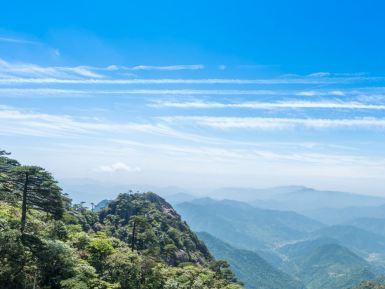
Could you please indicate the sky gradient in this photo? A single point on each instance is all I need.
(197, 95)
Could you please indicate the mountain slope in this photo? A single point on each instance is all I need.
(370, 285)
(374, 225)
(332, 266)
(137, 241)
(157, 226)
(356, 239)
(245, 226)
(249, 267)
(78, 251)
(324, 263)
(101, 205)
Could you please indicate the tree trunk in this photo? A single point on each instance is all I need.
(34, 280)
(24, 204)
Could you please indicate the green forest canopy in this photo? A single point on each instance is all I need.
(138, 241)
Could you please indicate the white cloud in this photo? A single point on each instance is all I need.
(54, 79)
(321, 92)
(337, 93)
(81, 70)
(167, 68)
(17, 40)
(33, 73)
(307, 93)
(15, 71)
(118, 167)
(89, 92)
(270, 105)
(320, 74)
(112, 67)
(279, 123)
(18, 122)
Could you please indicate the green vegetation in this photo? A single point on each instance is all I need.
(250, 267)
(321, 264)
(321, 257)
(369, 285)
(137, 242)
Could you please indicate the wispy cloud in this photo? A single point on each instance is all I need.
(320, 74)
(316, 93)
(231, 154)
(33, 73)
(22, 122)
(167, 67)
(18, 40)
(56, 92)
(115, 67)
(269, 105)
(18, 122)
(278, 123)
(271, 81)
(18, 71)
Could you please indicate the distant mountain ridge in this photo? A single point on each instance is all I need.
(322, 257)
(297, 198)
(374, 225)
(366, 244)
(101, 205)
(245, 226)
(347, 214)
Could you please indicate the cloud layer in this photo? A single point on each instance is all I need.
(184, 125)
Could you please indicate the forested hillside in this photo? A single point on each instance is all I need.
(369, 285)
(252, 269)
(324, 263)
(137, 241)
(320, 256)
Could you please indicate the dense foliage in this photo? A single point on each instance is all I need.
(250, 267)
(333, 266)
(138, 241)
(369, 285)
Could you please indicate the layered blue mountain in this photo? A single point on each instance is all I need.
(245, 226)
(298, 198)
(249, 267)
(320, 256)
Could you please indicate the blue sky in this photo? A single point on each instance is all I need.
(199, 94)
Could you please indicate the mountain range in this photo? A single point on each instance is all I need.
(245, 226)
(290, 237)
(297, 198)
(249, 267)
(320, 256)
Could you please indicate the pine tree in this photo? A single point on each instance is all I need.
(37, 189)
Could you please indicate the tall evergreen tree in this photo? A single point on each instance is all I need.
(37, 189)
